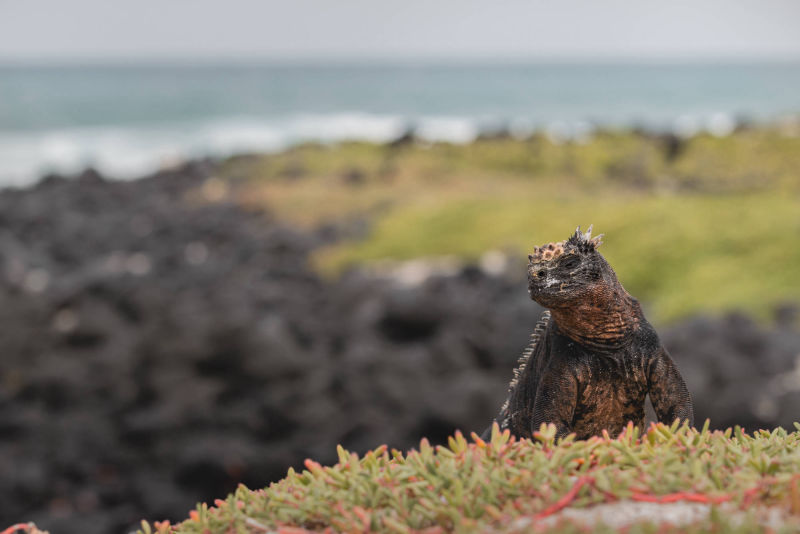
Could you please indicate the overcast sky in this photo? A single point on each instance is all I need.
(289, 29)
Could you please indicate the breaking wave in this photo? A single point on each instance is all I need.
(128, 152)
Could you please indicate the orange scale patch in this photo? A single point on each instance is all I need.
(548, 252)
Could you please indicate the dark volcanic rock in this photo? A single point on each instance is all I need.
(739, 373)
(162, 345)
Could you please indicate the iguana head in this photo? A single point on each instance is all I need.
(562, 273)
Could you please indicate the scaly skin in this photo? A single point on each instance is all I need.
(595, 358)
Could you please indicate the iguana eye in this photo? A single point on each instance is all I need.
(571, 263)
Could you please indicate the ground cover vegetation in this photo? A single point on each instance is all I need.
(689, 222)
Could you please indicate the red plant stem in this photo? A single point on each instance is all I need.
(680, 496)
(645, 497)
(19, 526)
(749, 495)
(566, 499)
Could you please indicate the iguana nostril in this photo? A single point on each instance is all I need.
(540, 274)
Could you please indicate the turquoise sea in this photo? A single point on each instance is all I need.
(129, 119)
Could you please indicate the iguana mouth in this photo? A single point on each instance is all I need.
(549, 285)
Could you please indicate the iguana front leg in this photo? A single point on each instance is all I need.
(668, 391)
(555, 402)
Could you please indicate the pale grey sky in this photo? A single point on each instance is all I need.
(247, 29)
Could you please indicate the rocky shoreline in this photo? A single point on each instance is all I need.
(162, 344)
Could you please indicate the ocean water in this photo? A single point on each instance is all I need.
(130, 119)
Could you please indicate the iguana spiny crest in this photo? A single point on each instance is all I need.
(577, 243)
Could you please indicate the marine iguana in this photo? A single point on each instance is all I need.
(593, 357)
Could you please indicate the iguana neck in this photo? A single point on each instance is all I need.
(604, 319)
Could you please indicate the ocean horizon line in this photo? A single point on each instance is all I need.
(334, 61)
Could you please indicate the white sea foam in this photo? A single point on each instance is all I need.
(451, 129)
(717, 123)
(341, 126)
(721, 124)
(130, 152)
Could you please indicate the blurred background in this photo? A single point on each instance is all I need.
(233, 235)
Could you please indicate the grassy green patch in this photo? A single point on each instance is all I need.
(709, 226)
(501, 484)
(678, 254)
